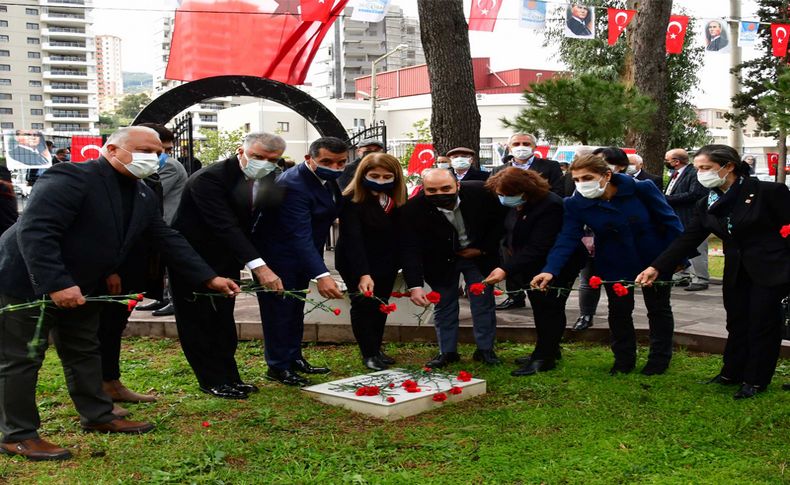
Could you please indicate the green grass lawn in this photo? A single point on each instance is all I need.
(573, 425)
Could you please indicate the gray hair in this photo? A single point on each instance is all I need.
(120, 136)
(530, 135)
(270, 142)
(635, 157)
(430, 172)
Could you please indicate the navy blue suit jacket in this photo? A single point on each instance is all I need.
(291, 238)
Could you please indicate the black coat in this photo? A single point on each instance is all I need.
(754, 243)
(475, 174)
(656, 179)
(568, 185)
(71, 233)
(8, 207)
(368, 242)
(429, 241)
(548, 169)
(685, 194)
(216, 214)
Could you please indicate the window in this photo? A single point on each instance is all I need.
(283, 126)
(4, 38)
(3, 23)
(36, 112)
(4, 53)
(3, 8)
(5, 67)
(36, 97)
(7, 125)
(34, 55)
(5, 95)
(67, 126)
(33, 68)
(31, 11)
(5, 82)
(31, 26)
(6, 111)
(37, 126)
(33, 40)
(34, 84)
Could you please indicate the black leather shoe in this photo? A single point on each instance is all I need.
(534, 367)
(583, 323)
(654, 368)
(696, 287)
(374, 363)
(386, 358)
(165, 311)
(681, 283)
(748, 390)
(286, 376)
(303, 366)
(511, 303)
(724, 381)
(149, 307)
(245, 388)
(442, 360)
(620, 369)
(225, 391)
(528, 358)
(487, 356)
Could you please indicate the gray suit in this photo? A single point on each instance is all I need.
(174, 177)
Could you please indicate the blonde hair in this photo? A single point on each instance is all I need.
(386, 161)
(591, 162)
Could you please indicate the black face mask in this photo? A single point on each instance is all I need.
(668, 165)
(443, 201)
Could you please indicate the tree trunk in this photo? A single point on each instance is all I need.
(651, 75)
(455, 119)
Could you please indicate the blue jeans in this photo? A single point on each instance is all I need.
(445, 313)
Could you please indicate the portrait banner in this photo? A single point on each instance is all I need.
(580, 21)
(715, 36)
(26, 149)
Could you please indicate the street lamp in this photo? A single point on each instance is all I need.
(373, 87)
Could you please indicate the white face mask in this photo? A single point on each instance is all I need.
(710, 179)
(257, 169)
(631, 170)
(461, 163)
(591, 189)
(442, 165)
(142, 165)
(521, 152)
(614, 168)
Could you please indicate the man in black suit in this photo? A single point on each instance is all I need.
(369, 145)
(714, 36)
(522, 155)
(579, 20)
(682, 192)
(637, 171)
(464, 164)
(8, 207)
(216, 217)
(78, 226)
(449, 229)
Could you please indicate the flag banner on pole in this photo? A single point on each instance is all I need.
(542, 151)
(483, 15)
(580, 21)
(315, 10)
(716, 36)
(676, 33)
(370, 10)
(747, 33)
(422, 157)
(532, 15)
(85, 148)
(779, 39)
(618, 21)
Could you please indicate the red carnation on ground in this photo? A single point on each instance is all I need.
(595, 282)
(456, 390)
(360, 391)
(336, 311)
(368, 391)
(434, 297)
(205, 424)
(368, 294)
(427, 369)
(464, 376)
(392, 385)
(130, 304)
(440, 397)
(408, 383)
(477, 289)
(139, 297)
(619, 289)
(785, 231)
(498, 292)
(390, 399)
(413, 389)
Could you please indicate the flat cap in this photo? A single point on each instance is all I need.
(461, 151)
(369, 142)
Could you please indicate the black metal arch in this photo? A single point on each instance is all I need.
(167, 106)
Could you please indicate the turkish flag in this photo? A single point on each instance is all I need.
(541, 151)
(262, 38)
(422, 157)
(773, 163)
(629, 151)
(84, 148)
(779, 39)
(618, 21)
(676, 33)
(315, 10)
(483, 15)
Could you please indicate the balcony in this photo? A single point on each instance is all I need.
(66, 3)
(67, 47)
(66, 88)
(57, 60)
(53, 103)
(71, 116)
(62, 18)
(64, 33)
(68, 75)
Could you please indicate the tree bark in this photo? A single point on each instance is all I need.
(455, 119)
(651, 75)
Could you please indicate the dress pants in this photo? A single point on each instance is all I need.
(660, 320)
(367, 321)
(754, 327)
(283, 322)
(74, 333)
(207, 331)
(445, 313)
(548, 308)
(112, 322)
(588, 296)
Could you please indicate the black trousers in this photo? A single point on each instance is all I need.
(112, 322)
(74, 333)
(754, 327)
(207, 331)
(367, 322)
(548, 308)
(660, 320)
(283, 322)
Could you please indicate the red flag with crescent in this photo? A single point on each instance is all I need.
(422, 157)
(773, 161)
(84, 148)
(315, 10)
(542, 151)
(483, 15)
(676, 33)
(618, 21)
(779, 39)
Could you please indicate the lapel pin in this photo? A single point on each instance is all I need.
(748, 201)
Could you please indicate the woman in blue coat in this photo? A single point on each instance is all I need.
(633, 224)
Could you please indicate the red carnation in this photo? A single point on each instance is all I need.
(595, 282)
(130, 304)
(427, 369)
(464, 376)
(456, 390)
(373, 391)
(368, 294)
(392, 307)
(440, 397)
(360, 391)
(498, 292)
(392, 385)
(398, 294)
(413, 389)
(408, 383)
(336, 311)
(619, 289)
(434, 297)
(785, 231)
(477, 288)
(390, 399)
(139, 297)
(205, 424)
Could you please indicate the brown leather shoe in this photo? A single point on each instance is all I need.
(119, 411)
(35, 449)
(120, 426)
(119, 393)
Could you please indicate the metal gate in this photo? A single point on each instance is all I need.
(378, 132)
(184, 143)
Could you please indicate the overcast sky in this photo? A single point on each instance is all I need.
(138, 23)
